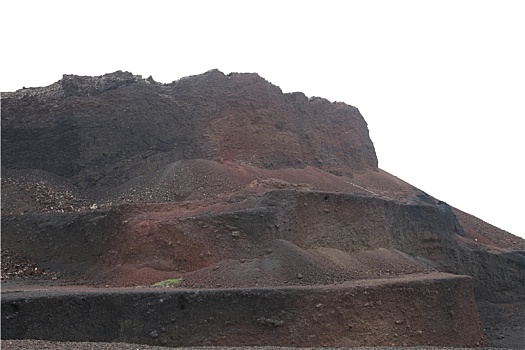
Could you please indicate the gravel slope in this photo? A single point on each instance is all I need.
(40, 344)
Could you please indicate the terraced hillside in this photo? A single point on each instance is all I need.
(268, 209)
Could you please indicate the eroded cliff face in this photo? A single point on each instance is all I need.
(229, 183)
(101, 132)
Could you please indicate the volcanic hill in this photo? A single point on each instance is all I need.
(268, 210)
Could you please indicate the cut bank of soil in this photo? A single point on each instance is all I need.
(350, 314)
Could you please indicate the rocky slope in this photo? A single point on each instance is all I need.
(226, 182)
(104, 132)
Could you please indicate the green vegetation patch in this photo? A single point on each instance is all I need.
(168, 283)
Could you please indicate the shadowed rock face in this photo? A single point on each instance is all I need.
(101, 132)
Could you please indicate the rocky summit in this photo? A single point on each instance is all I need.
(263, 216)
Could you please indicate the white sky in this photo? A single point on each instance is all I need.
(440, 83)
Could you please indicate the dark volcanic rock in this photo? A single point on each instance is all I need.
(224, 181)
(101, 132)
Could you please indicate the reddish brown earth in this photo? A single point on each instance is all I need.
(226, 183)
